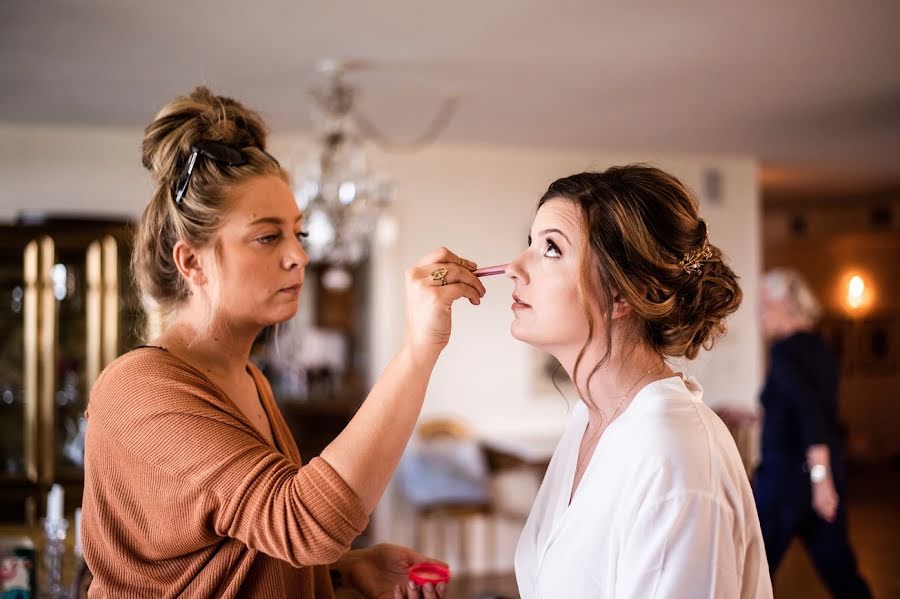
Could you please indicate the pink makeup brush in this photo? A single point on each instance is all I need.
(489, 271)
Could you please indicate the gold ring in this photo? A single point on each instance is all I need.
(440, 274)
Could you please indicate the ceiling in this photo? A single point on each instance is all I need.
(810, 87)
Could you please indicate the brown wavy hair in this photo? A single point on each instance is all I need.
(199, 116)
(639, 223)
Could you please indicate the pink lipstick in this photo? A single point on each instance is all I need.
(489, 271)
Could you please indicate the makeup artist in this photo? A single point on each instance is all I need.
(193, 484)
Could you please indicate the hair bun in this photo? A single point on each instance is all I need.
(706, 299)
(200, 115)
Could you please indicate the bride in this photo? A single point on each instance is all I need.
(646, 495)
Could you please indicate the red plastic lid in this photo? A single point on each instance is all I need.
(428, 572)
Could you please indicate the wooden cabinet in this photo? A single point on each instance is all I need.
(66, 310)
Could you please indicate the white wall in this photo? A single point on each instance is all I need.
(476, 200)
(95, 170)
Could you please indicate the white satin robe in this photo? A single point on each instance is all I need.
(664, 509)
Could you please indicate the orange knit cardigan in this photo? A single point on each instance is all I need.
(184, 498)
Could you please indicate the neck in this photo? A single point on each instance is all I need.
(221, 349)
(617, 381)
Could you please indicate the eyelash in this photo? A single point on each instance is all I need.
(550, 245)
(269, 239)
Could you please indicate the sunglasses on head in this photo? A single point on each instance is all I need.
(214, 151)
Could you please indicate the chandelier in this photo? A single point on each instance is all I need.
(341, 195)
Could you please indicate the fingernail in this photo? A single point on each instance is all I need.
(441, 587)
(472, 264)
(411, 585)
(429, 587)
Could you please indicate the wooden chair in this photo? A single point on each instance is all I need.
(454, 513)
(743, 424)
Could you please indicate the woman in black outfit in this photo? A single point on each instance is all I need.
(801, 479)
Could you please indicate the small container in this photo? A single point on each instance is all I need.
(425, 572)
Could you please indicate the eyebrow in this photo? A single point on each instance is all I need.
(546, 231)
(272, 220)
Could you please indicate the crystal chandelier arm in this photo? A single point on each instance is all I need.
(426, 138)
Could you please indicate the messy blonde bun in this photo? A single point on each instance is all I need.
(645, 240)
(200, 116)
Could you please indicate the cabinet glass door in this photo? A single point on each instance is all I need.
(13, 413)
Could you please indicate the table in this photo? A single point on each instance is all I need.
(532, 451)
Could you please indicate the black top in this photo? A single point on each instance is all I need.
(800, 398)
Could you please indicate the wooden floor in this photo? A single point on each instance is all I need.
(874, 515)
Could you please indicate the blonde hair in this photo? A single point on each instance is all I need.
(200, 116)
(786, 284)
(645, 241)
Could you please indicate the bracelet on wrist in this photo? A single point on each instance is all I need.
(818, 473)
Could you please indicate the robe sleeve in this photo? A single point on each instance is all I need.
(681, 546)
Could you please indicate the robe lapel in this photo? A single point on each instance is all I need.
(563, 475)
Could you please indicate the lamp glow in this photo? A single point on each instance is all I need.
(856, 290)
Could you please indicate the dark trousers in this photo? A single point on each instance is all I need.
(784, 501)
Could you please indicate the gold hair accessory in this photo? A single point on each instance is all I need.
(440, 274)
(692, 263)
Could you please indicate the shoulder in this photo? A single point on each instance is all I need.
(800, 344)
(671, 417)
(148, 365)
(145, 380)
(677, 441)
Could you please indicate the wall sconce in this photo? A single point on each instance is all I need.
(856, 291)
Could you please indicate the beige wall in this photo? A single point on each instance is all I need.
(55, 169)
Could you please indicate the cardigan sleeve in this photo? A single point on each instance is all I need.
(177, 423)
